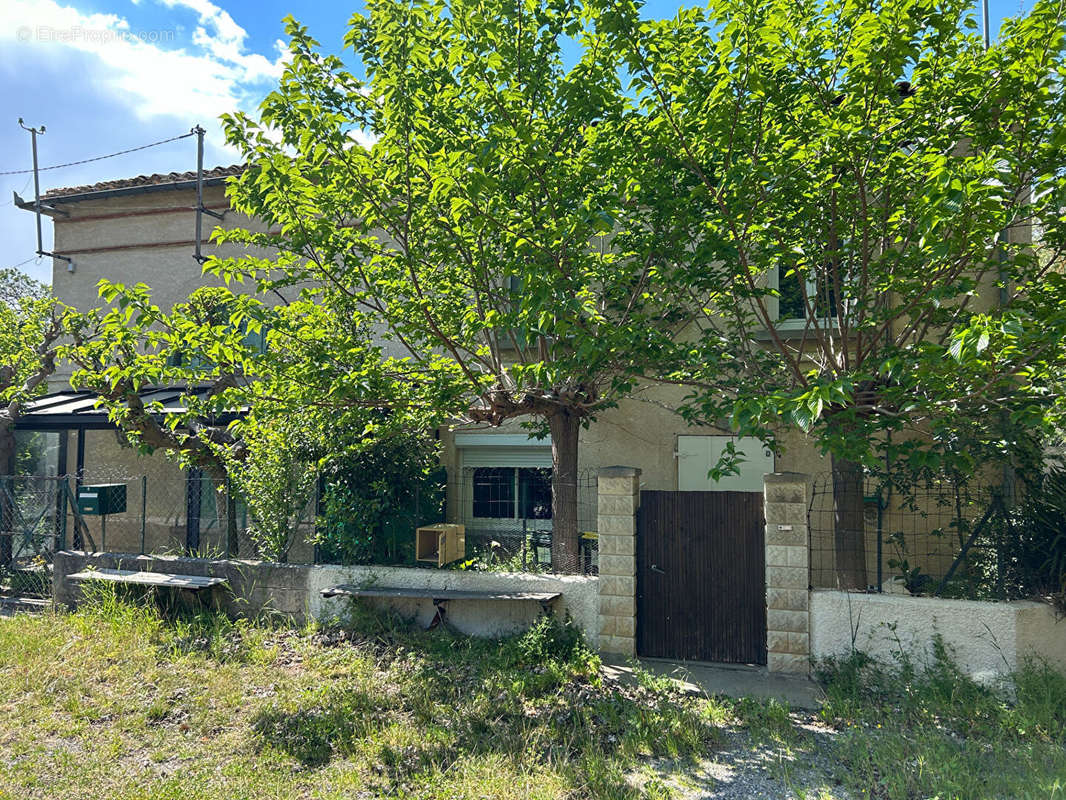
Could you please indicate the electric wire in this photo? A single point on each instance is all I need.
(22, 263)
(100, 158)
(25, 186)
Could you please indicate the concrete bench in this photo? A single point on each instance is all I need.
(159, 580)
(441, 596)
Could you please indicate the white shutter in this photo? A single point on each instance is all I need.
(503, 450)
(697, 455)
(506, 457)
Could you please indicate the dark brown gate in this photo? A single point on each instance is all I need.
(701, 576)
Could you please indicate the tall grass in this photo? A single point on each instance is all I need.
(124, 699)
(931, 730)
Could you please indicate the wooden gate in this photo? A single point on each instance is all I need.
(701, 576)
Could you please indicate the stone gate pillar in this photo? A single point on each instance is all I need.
(618, 493)
(787, 573)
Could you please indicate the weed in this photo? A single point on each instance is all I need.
(766, 720)
(179, 702)
(907, 732)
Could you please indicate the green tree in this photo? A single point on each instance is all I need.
(477, 224)
(859, 184)
(248, 370)
(30, 326)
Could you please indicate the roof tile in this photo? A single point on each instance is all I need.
(157, 179)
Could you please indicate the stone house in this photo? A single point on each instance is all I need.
(141, 230)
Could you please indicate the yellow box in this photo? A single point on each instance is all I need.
(441, 544)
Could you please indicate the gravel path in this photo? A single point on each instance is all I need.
(742, 769)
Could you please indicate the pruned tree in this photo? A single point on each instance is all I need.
(30, 328)
(469, 197)
(246, 370)
(860, 184)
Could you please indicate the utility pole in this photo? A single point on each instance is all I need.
(984, 20)
(37, 195)
(200, 210)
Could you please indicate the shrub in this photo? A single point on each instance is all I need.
(550, 640)
(277, 481)
(374, 496)
(1040, 555)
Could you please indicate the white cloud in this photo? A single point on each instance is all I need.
(224, 39)
(143, 67)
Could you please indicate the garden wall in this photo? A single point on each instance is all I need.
(295, 589)
(487, 618)
(985, 638)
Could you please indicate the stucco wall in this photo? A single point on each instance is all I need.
(108, 460)
(643, 431)
(985, 638)
(487, 618)
(295, 590)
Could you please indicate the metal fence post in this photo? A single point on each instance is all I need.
(192, 510)
(61, 528)
(880, 540)
(316, 510)
(7, 521)
(144, 508)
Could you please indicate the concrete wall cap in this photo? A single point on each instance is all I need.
(784, 477)
(619, 472)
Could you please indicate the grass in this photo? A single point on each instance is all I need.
(116, 701)
(933, 732)
(120, 701)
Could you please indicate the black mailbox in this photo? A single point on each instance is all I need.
(102, 499)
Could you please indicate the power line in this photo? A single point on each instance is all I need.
(20, 191)
(100, 158)
(23, 263)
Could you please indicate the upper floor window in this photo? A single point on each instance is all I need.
(799, 293)
(256, 341)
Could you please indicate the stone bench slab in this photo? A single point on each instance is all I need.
(193, 583)
(437, 595)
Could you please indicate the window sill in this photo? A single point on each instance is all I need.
(794, 329)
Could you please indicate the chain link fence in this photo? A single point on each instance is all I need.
(506, 513)
(947, 538)
(35, 521)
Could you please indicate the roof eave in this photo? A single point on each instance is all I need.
(104, 194)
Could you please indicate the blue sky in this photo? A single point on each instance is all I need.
(106, 75)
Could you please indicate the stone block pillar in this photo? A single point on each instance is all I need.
(618, 493)
(787, 573)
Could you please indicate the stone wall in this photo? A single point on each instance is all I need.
(490, 618)
(254, 586)
(618, 500)
(294, 590)
(787, 573)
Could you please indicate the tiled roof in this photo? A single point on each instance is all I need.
(158, 179)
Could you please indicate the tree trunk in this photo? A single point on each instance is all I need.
(564, 427)
(849, 524)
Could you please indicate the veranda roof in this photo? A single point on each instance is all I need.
(78, 409)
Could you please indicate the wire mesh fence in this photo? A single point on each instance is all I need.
(506, 513)
(508, 517)
(943, 538)
(33, 525)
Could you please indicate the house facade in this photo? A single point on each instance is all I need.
(141, 230)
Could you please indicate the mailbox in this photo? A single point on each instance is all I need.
(440, 544)
(102, 499)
